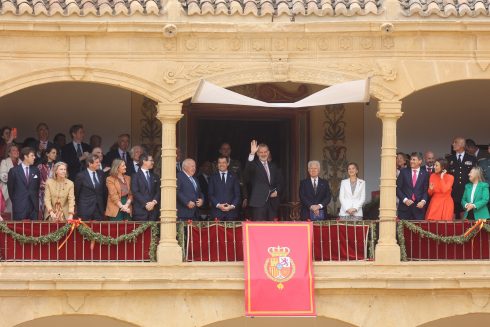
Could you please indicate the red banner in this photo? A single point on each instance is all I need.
(278, 269)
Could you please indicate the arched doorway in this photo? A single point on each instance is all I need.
(334, 135)
(76, 321)
(283, 322)
(470, 319)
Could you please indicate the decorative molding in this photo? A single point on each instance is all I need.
(175, 71)
(271, 92)
(482, 60)
(334, 151)
(75, 302)
(151, 131)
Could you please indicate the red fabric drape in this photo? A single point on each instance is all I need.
(421, 248)
(76, 248)
(330, 243)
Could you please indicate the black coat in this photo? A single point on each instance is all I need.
(70, 157)
(261, 188)
(23, 194)
(91, 201)
(142, 194)
(308, 197)
(114, 154)
(220, 192)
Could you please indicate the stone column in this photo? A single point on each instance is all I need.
(387, 249)
(169, 251)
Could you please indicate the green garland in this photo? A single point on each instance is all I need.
(90, 235)
(458, 239)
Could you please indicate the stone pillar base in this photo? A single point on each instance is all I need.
(387, 254)
(169, 254)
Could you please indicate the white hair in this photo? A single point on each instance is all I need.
(313, 163)
(187, 161)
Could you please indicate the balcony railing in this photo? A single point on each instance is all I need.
(34, 241)
(444, 240)
(332, 241)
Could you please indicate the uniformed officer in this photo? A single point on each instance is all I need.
(460, 164)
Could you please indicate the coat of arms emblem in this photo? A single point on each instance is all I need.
(279, 267)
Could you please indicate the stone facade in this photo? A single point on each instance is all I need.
(161, 50)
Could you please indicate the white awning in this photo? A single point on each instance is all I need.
(348, 92)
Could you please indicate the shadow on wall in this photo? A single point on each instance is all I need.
(283, 322)
(471, 319)
(76, 321)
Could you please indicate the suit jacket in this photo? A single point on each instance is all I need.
(204, 185)
(349, 200)
(70, 157)
(261, 188)
(480, 200)
(405, 189)
(24, 194)
(186, 193)
(90, 199)
(460, 172)
(220, 192)
(114, 154)
(308, 197)
(55, 192)
(130, 170)
(114, 194)
(144, 193)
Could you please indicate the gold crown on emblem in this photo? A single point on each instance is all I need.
(278, 251)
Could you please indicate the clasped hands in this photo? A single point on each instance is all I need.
(150, 205)
(226, 207)
(469, 206)
(315, 208)
(409, 202)
(192, 204)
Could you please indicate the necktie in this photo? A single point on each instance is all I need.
(193, 183)
(124, 156)
(223, 178)
(79, 150)
(459, 158)
(148, 180)
(27, 174)
(314, 185)
(266, 167)
(96, 181)
(136, 167)
(414, 181)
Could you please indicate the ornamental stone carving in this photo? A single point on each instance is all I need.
(175, 72)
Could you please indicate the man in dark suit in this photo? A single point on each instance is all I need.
(42, 143)
(134, 164)
(145, 186)
(23, 187)
(91, 191)
(120, 153)
(460, 164)
(411, 189)
(265, 182)
(189, 194)
(76, 152)
(429, 161)
(473, 149)
(314, 194)
(224, 192)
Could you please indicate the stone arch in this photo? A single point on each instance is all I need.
(264, 73)
(84, 74)
(442, 84)
(279, 321)
(76, 320)
(470, 319)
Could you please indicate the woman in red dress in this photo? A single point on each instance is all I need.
(441, 206)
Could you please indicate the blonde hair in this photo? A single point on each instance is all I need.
(479, 173)
(56, 167)
(115, 167)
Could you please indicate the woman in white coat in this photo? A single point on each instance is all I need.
(352, 194)
(6, 164)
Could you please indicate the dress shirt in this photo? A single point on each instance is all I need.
(472, 198)
(313, 179)
(458, 156)
(91, 174)
(417, 171)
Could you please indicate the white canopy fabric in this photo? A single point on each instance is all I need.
(348, 92)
